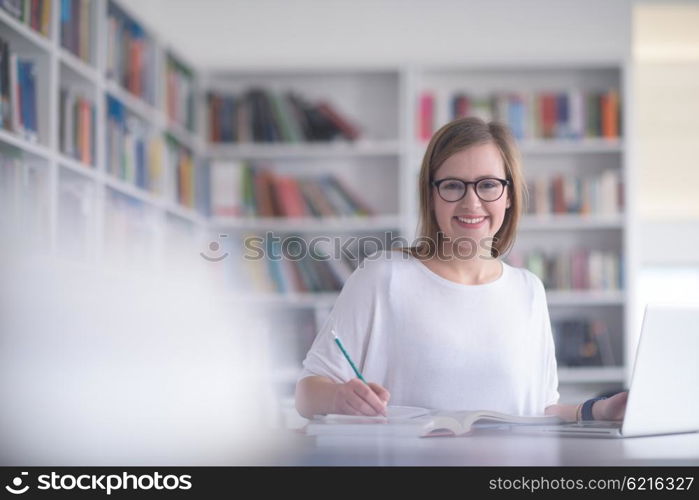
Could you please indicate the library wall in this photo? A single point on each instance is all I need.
(389, 32)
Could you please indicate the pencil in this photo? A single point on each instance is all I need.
(342, 348)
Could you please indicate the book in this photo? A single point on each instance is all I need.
(409, 421)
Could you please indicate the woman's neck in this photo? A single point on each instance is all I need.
(476, 270)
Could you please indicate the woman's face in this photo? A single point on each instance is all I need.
(471, 217)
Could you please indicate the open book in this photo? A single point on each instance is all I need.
(418, 422)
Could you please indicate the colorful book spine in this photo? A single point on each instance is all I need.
(179, 93)
(18, 94)
(426, 110)
(187, 175)
(34, 13)
(572, 114)
(76, 28)
(241, 188)
(286, 270)
(576, 269)
(601, 194)
(583, 342)
(259, 115)
(130, 55)
(132, 150)
(77, 126)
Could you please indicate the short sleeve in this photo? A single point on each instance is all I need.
(352, 318)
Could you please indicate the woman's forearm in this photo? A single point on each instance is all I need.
(315, 395)
(568, 413)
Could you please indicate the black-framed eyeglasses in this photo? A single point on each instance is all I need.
(487, 189)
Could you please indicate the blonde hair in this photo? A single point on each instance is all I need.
(452, 138)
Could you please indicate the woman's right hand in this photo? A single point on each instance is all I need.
(357, 398)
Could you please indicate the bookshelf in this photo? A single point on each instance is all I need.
(107, 204)
(397, 158)
(575, 151)
(97, 198)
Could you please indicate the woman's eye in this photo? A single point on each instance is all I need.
(488, 185)
(453, 185)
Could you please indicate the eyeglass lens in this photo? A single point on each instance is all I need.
(486, 189)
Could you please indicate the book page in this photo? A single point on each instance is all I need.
(460, 422)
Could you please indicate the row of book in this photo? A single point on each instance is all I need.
(34, 13)
(159, 165)
(134, 154)
(179, 93)
(190, 183)
(242, 189)
(76, 28)
(180, 163)
(130, 54)
(18, 96)
(283, 266)
(578, 269)
(602, 194)
(77, 127)
(583, 342)
(574, 114)
(260, 115)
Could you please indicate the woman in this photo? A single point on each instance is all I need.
(446, 324)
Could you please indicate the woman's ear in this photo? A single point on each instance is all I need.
(509, 203)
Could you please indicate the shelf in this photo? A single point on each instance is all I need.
(34, 148)
(591, 374)
(182, 135)
(302, 300)
(368, 223)
(26, 32)
(185, 213)
(558, 146)
(585, 297)
(570, 222)
(383, 101)
(78, 65)
(135, 192)
(304, 150)
(76, 166)
(135, 104)
(561, 146)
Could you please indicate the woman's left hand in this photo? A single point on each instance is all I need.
(612, 408)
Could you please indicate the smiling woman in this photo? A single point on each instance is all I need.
(470, 151)
(426, 325)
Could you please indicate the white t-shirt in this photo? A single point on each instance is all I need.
(435, 343)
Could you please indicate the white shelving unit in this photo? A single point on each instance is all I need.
(381, 166)
(57, 67)
(546, 157)
(371, 166)
(309, 224)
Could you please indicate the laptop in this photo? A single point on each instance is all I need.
(664, 392)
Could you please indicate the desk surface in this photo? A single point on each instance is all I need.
(489, 447)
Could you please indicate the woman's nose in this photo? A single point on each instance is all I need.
(471, 198)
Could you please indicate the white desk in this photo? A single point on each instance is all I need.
(489, 447)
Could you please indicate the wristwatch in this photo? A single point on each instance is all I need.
(586, 412)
